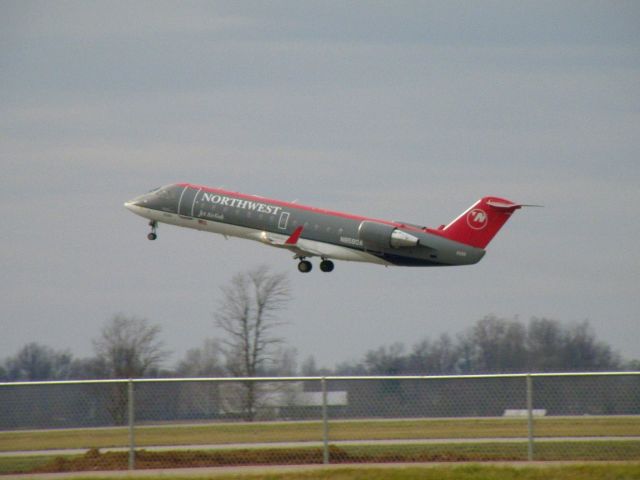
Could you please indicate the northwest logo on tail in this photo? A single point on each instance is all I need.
(477, 219)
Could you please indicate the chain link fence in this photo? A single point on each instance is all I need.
(157, 423)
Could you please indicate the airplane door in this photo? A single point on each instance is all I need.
(284, 219)
(187, 200)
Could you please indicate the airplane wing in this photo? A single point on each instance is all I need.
(293, 239)
(290, 243)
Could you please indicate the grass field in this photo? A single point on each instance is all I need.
(440, 452)
(234, 433)
(466, 472)
(435, 472)
(482, 450)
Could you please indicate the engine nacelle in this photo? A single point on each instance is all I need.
(376, 235)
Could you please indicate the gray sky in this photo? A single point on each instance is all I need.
(400, 110)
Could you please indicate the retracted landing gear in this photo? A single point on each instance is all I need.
(326, 265)
(154, 226)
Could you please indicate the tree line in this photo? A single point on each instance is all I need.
(248, 319)
(496, 345)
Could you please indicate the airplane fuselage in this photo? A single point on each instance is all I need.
(309, 231)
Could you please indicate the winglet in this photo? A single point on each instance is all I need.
(293, 239)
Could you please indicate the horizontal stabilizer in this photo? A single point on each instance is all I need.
(508, 206)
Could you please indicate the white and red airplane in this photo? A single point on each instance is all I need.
(315, 232)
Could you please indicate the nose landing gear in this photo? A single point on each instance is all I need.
(154, 226)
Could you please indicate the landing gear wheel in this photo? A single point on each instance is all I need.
(326, 266)
(153, 235)
(305, 266)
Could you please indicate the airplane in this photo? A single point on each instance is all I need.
(314, 232)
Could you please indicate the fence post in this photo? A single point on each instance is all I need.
(325, 423)
(530, 417)
(132, 438)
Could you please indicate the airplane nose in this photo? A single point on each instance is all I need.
(131, 205)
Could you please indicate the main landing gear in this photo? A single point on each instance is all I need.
(326, 265)
(305, 266)
(152, 234)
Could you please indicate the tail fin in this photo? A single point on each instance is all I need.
(480, 223)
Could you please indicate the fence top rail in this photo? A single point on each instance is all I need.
(318, 379)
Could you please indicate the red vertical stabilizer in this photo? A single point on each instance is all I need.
(480, 223)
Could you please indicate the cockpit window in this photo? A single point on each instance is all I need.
(166, 193)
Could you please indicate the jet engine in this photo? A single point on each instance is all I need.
(375, 235)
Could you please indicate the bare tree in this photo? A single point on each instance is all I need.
(309, 367)
(583, 351)
(38, 362)
(545, 345)
(434, 357)
(203, 361)
(127, 347)
(201, 399)
(286, 362)
(248, 316)
(385, 360)
(499, 345)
